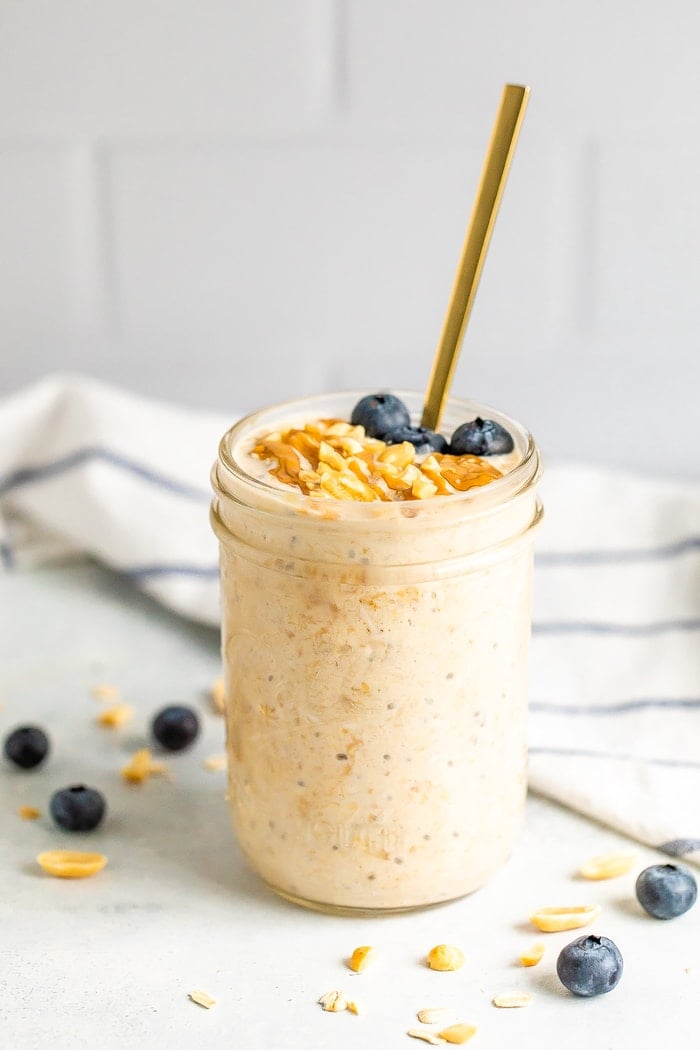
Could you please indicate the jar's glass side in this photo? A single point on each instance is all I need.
(427, 548)
(376, 665)
(377, 740)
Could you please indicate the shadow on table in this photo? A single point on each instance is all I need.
(179, 830)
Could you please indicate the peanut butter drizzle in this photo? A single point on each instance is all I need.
(333, 459)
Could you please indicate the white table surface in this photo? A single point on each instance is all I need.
(107, 962)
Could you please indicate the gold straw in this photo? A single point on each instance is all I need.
(499, 155)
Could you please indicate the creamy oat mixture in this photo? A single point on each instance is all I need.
(375, 653)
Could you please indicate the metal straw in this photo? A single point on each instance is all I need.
(499, 155)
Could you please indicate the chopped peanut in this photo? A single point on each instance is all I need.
(329, 455)
(115, 716)
(533, 955)
(142, 766)
(362, 957)
(202, 999)
(430, 468)
(551, 920)
(465, 472)
(445, 957)
(512, 1000)
(105, 692)
(608, 866)
(218, 696)
(69, 864)
(344, 485)
(423, 488)
(29, 812)
(215, 763)
(458, 1033)
(398, 455)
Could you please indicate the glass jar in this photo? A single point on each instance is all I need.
(375, 661)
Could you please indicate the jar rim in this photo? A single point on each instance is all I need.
(524, 474)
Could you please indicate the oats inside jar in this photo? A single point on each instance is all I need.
(375, 624)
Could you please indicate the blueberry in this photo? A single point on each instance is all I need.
(424, 440)
(481, 437)
(380, 413)
(78, 808)
(26, 746)
(590, 966)
(175, 727)
(665, 890)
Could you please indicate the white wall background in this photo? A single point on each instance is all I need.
(226, 202)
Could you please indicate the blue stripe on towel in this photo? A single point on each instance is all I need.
(546, 559)
(679, 847)
(630, 629)
(42, 472)
(618, 708)
(643, 760)
(142, 572)
(553, 559)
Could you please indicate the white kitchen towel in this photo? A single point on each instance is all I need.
(87, 467)
(615, 725)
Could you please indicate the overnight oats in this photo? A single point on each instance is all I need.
(376, 603)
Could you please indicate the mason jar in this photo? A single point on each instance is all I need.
(375, 663)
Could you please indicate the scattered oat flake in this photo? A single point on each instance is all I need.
(362, 957)
(426, 1035)
(215, 763)
(29, 812)
(445, 957)
(458, 1033)
(533, 955)
(69, 864)
(333, 1002)
(512, 1000)
(115, 716)
(432, 1015)
(218, 695)
(550, 920)
(202, 999)
(608, 866)
(354, 1007)
(142, 766)
(105, 692)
